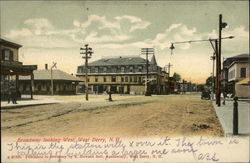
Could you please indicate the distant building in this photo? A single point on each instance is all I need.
(236, 69)
(63, 83)
(123, 75)
(11, 68)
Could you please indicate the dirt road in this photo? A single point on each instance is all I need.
(142, 116)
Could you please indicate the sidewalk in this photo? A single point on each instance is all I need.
(225, 115)
(28, 102)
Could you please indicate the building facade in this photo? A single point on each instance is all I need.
(11, 69)
(124, 75)
(63, 83)
(236, 69)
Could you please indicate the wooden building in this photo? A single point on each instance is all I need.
(11, 69)
(124, 75)
(63, 83)
(235, 70)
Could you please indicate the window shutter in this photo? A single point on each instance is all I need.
(2, 54)
(11, 55)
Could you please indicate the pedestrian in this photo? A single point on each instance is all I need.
(13, 94)
(9, 95)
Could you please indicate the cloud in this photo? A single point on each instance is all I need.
(102, 21)
(180, 32)
(96, 29)
(136, 22)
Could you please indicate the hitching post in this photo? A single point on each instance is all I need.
(235, 116)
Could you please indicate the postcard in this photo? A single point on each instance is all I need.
(124, 81)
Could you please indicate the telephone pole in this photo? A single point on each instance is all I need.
(221, 26)
(88, 53)
(51, 76)
(147, 51)
(169, 66)
(212, 58)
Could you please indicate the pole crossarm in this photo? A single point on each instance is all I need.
(87, 53)
(229, 37)
(147, 51)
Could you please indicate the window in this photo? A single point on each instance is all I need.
(131, 78)
(122, 69)
(88, 80)
(113, 79)
(7, 55)
(243, 72)
(140, 69)
(135, 78)
(122, 79)
(104, 79)
(131, 69)
(139, 79)
(96, 79)
(126, 79)
(231, 74)
(104, 69)
(79, 70)
(113, 69)
(96, 69)
(39, 88)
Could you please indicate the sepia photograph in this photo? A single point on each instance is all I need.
(124, 81)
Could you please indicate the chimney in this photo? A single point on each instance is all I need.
(46, 66)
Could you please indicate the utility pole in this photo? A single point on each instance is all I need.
(217, 73)
(221, 26)
(212, 58)
(147, 51)
(88, 53)
(169, 66)
(51, 75)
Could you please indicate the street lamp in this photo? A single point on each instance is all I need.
(217, 54)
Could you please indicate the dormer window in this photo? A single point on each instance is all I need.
(7, 55)
(131, 69)
(140, 68)
(122, 69)
(96, 69)
(104, 69)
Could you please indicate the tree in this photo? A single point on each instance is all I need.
(177, 77)
(209, 80)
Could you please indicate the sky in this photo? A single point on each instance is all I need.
(54, 31)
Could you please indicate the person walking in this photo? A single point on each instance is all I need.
(8, 95)
(13, 93)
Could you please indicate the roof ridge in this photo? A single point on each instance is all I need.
(122, 56)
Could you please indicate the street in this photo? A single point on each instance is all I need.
(126, 116)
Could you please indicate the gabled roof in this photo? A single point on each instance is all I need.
(127, 60)
(240, 56)
(153, 60)
(46, 75)
(9, 43)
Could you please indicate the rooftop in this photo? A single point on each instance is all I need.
(241, 56)
(121, 60)
(45, 75)
(9, 43)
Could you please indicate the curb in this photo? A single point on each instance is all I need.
(21, 106)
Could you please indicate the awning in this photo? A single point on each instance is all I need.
(245, 81)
